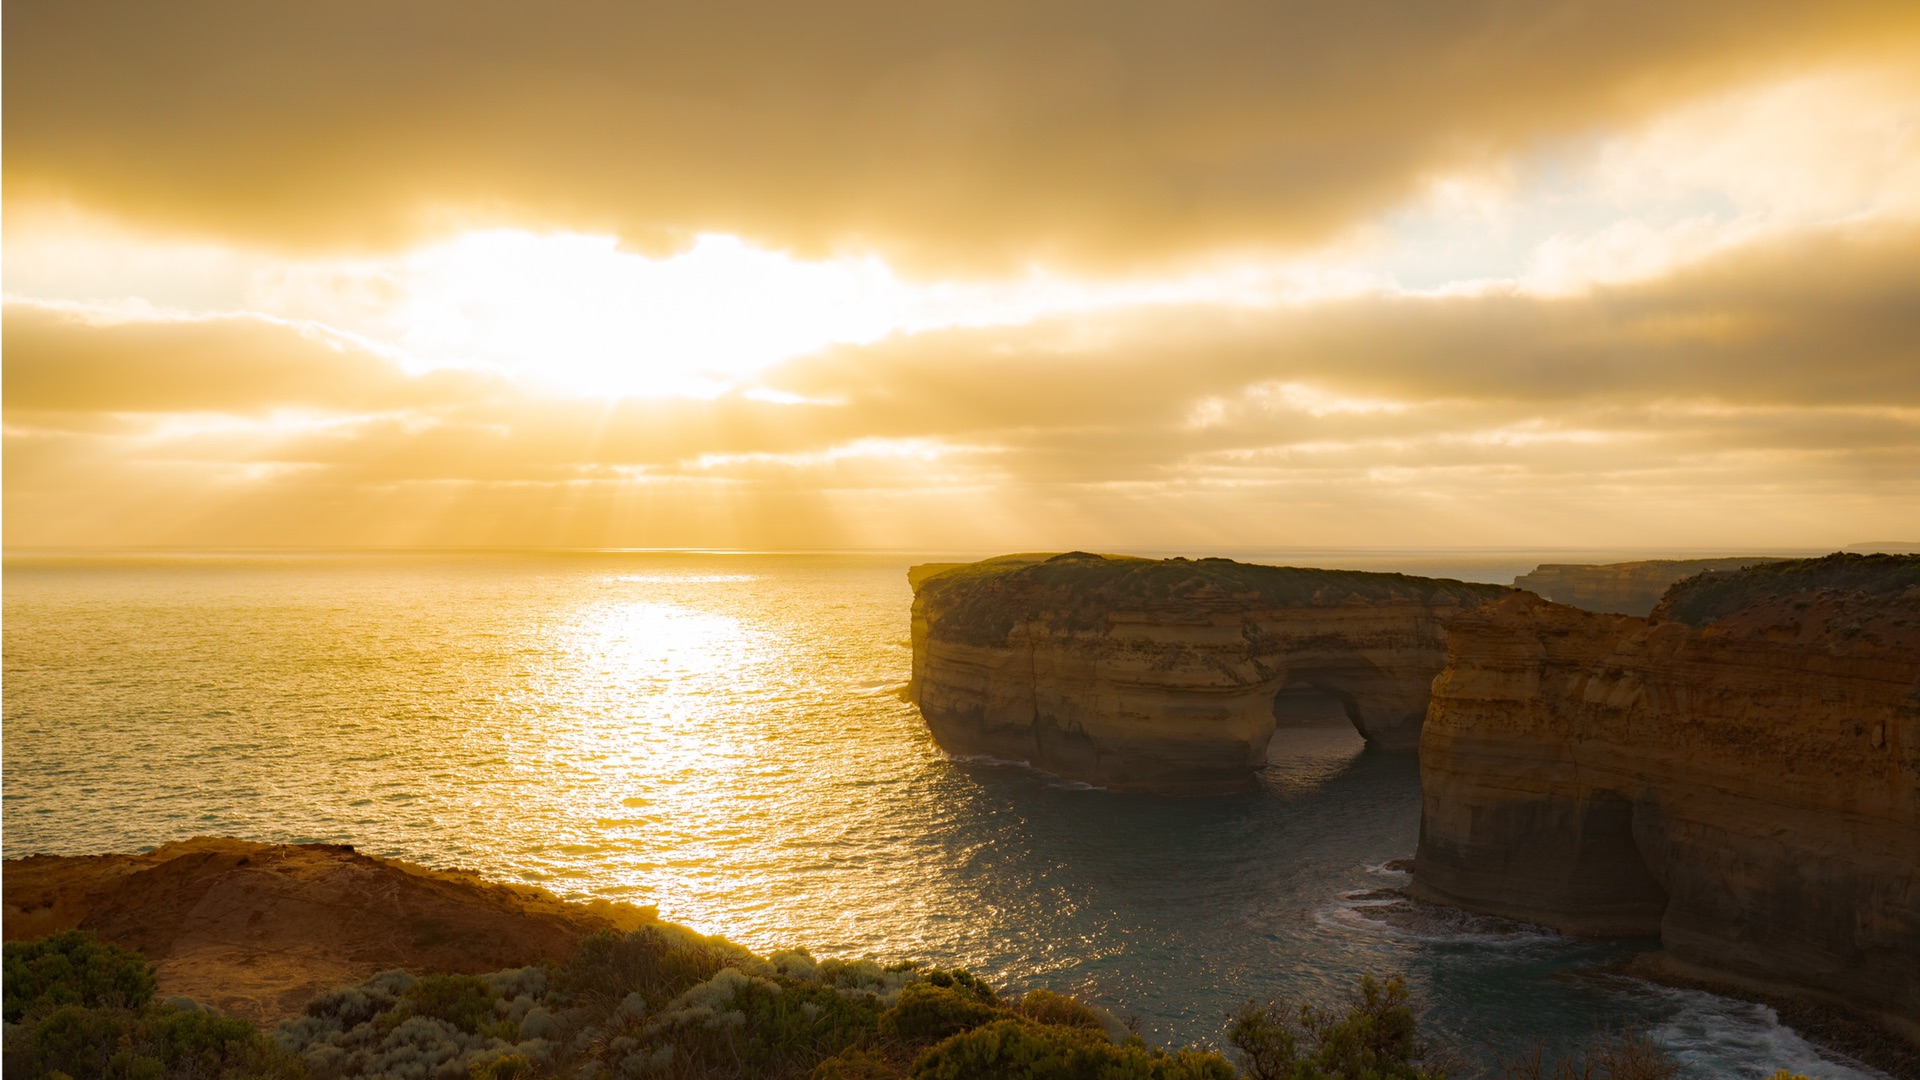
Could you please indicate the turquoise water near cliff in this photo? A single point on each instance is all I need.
(722, 735)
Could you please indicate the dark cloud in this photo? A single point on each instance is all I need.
(953, 135)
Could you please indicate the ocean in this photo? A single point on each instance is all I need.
(723, 736)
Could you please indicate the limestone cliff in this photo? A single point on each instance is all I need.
(257, 929)
(1739, 774)
(1162, 675)
(1628, 588)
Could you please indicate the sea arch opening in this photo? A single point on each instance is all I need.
(1313, 723)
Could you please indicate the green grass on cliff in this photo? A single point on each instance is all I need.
(1708, 597)
(979, 603)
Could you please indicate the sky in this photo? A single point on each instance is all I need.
(968, 276)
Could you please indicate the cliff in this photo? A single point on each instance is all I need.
(1628, 588)
(257, 929)
(1162, 675)
(1739, 774)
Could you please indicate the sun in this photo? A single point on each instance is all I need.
(577, 313)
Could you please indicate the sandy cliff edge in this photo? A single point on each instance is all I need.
(258, 929)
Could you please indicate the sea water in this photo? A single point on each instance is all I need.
(724, 736)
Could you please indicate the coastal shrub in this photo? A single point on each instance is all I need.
(157, 1042)
(1707, 597)
(464, 1001)
(929, 1012)
(965, 983)
(1628, 1055)
(1047, 1007)
(854, 1063)
(741, 1025)
(1019, 1049)
(659, 962)
(1373, 1038)
(504, 1067)
(73, 968)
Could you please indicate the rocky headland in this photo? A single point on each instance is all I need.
(1627, 588)
(257, 929)
(1738, 773)
(1163, 675)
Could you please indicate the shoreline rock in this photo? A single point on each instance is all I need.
(1824, 1020)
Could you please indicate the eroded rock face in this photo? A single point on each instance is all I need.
(1627, 588)
(1139, 674)
(1739, 774)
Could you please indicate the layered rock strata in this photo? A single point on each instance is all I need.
(1627, 588)
(1738, 774)
(257, 929)
(1162, 675)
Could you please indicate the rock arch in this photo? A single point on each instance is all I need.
(1161, 675)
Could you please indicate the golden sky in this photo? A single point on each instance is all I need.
(962, 276)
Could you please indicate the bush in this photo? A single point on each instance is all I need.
(1374, 1038)
(1023, 1050)
(73, 968)
(928, 1012)
(659, 962)
(159, 1042)
(504, 1067)
(464, 1001)
(1626, 1056)
(1047, 1007)
(854, 1063)
(965, 983)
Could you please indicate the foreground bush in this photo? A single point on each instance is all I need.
(1024, 1050)
(72, 968)
(1627, 1056)
(79, 1007)
(666, 1002)
(1373, 1039)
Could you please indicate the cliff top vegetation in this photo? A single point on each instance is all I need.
(1708, 597)
(980, 603)
(661, 1001)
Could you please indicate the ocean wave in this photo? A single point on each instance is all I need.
(989, 759)
(1710, 1035)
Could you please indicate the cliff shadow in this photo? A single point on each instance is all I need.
(1314, 740)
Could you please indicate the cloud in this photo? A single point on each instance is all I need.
(1766, 397)
(965, 136)
(75, 358)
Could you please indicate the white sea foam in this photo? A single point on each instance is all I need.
(1718, 1036)
(989, 759)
